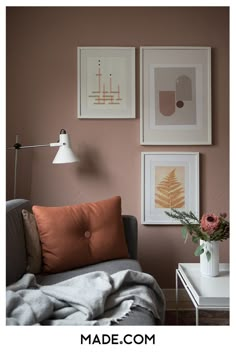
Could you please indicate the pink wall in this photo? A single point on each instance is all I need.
(41, 99)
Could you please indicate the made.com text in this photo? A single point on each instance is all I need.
(117, 339)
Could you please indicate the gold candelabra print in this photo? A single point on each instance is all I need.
(105, 93)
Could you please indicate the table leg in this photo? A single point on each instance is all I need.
(197, 316)
(176, 298)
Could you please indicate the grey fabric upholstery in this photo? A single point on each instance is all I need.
(110, 267)
(131, 234)
(139, 317)
(16, 257)
(15, 240)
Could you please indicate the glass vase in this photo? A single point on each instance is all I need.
(210, 268)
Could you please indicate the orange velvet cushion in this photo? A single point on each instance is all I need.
(78, 235)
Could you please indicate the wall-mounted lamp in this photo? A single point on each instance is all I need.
(64, 153)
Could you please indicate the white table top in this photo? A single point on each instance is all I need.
(207, 291)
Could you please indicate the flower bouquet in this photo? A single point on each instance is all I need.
(209, 228)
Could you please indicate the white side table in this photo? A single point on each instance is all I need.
(206, 293)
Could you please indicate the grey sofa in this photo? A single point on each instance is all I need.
(16, 258)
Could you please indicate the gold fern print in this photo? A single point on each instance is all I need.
(169, 192)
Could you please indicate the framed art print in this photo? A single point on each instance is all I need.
(169, 180)
(175, 95)
(106, 82)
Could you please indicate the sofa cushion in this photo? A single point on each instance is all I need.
(110, 267)
(79, 235)
(32, 241)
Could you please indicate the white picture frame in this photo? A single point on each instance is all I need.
(168, 180)
(106, 82)
(175, 96)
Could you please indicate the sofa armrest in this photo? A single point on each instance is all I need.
(15, 240)
(131, 234)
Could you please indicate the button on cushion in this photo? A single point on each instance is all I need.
(87, 234)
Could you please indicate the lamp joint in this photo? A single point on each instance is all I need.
(17, 146)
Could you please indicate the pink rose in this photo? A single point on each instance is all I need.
(210, 223)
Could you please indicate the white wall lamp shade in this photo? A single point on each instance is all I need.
(64, 153)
